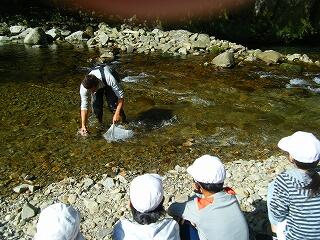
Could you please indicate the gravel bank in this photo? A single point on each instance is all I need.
(103, 201)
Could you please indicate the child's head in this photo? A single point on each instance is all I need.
(208, 173)
(59, 221)
(146, 198)
(304, 152)
(302, 146)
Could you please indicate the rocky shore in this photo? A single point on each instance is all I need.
(126, 39)
(102, 201)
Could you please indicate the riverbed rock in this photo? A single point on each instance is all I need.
(91, 205)
(17, 29)
(293, 57)
(54, 33)
(75, 37)
(101, 37)
(36, 37)
(269, 56)
(225, 60)
(202, 41)
(294, 68)
(4, 39)
(28, 211)
(25, 187)
(22, 35)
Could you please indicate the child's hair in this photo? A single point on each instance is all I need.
(314, 185)
(211, 187)
(148, 217)
(90, 81)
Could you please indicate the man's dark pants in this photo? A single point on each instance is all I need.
(112, 101)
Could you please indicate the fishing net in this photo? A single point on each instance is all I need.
(117, 133)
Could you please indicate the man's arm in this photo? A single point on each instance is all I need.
(84, 121)
(84, 94)
(116, 116)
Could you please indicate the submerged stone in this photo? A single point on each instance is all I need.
(294, 68)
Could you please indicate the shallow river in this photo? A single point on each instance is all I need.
(178, 108)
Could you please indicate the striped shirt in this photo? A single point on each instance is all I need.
(111, 81)
(291, 202)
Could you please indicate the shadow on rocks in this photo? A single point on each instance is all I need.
(259, 226)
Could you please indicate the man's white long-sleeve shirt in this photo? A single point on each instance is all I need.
(110, 80)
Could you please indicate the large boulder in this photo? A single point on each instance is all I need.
(270, 56)
(225, 60)
(36, 37)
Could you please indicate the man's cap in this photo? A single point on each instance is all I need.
(207, 169)
(146, 192)
(57, 222)
(302, 146)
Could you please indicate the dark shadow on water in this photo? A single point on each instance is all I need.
(154, 118)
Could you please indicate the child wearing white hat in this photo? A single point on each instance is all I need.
(294, 196)
(59, 222)
(215, 213)
(149, 221)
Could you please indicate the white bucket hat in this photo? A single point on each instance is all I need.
(59, 222)
(302, 146)
(207, 169)
(146, 192)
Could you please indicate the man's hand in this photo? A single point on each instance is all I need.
(116, 118)
(83, 131)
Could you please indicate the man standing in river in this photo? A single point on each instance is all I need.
(101, 81)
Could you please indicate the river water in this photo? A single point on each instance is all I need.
(178, 108)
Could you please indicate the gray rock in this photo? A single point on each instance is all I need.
(4, 38)
(35, 37)
(103, 198)
(22, 35)
(21, 188)
(292, 57)
(102, 233)
(122, 179)
(91, 205)
(54, 33)
(108, 183)
(87, 183)
(75, 37)
(179, 36)
(182, 51)
(72, 198)
(17, 29)
(305, 58)
(102, 38)
(250, 59)
(269, 56)
(203, 41)
(130, 48)
(28, 211)
(65, 33)
(224, 60)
